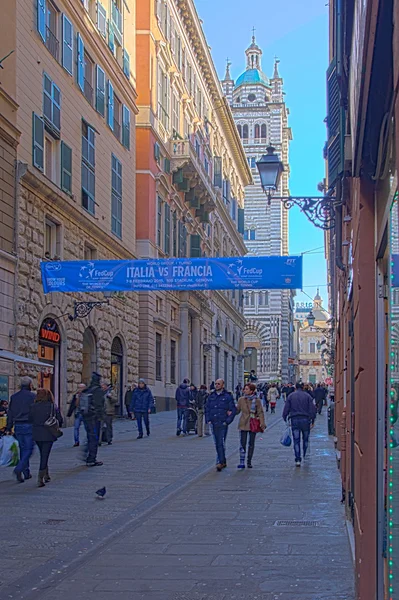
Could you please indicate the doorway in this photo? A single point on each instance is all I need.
(89, 362)
(117, 371)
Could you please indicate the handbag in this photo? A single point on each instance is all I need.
(254, 422)
(52, 424)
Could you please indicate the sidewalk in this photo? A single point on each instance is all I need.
(171, 529)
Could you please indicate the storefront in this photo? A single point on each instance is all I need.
(49, 352)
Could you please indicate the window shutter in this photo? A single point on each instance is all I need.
(101, 20)
(66, 168)
(166, 166)
(167, 228)
(110, 111)
(100, 91)
(335, 125)
(126, 64)
(38, 142)
(67, 44)
(111, 38)
(195, 246)
(217, 168)
(81, 63)
(126, 127)
(41, 18)
(240, 221)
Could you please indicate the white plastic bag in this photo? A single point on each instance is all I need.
(9, 456)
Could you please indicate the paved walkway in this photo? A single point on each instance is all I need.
(171, 528)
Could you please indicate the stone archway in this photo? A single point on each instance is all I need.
(89, 352)
(256, 339)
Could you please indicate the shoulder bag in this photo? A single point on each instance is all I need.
(52, 424)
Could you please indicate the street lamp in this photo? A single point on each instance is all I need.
(318, 209)
(311, 318)
(208, 347)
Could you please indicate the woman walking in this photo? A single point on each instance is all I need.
(252, 421)
(40, 412)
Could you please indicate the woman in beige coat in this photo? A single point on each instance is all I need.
(249, 406)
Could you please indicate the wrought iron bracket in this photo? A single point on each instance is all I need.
(208, 347)
(320, 210)
(83, 309)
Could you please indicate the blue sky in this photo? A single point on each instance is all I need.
(299, 38)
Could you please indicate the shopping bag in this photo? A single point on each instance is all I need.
(9, 456)
(286, 437)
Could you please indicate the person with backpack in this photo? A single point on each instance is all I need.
(92, 410)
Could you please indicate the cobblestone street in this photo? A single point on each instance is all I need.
(171, 528)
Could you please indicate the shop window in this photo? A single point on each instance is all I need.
(52, 240)
(158, 357)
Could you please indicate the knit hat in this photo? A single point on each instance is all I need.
(142, 381)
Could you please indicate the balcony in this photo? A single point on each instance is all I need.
(52, 44)
(190, 174)
(88, 91)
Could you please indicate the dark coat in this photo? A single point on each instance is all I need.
(98, 398)
(299, 404)
(19, 407)
(217, 407)
(39, 413)
(319, 394)
(183, 396)
(128, 398)
(73, 406)
(142, 400)
(200, 402)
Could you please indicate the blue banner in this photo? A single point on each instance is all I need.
(395, 270)
(267, 272)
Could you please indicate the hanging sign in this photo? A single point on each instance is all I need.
(256, 272)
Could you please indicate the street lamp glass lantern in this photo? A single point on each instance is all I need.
(218, 337)
(270, 170)
(311, 319)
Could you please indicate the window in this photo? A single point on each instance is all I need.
(234, 209)
(163, 98)
(172, 361)
(175, 114)
(260, 299)
(80, 74)
(166, 228)
(159, 221)
(158, 357)
(173, 314)
(249, 234)
(116, 197)
(67, 44)
(100, 91)
(158, 304)
(110, 105)
(312, 348)
(126, 64)
(52, 240)
(51, 106)
(195, 246)
(66, 168)
(205, 370)
(51, 37)
(88, 78)
(182, 240)
(117, 117)
(38, 142)
(90, 253)
(239, 130)
(117, 20)
(126, 127)
(257, 131)
(245, 132)
(51, 158)
(175, 238)
(101, 20)
(252, 299)
(88, 168)
(263, 132)
(217, 170)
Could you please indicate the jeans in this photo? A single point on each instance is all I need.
(92, 426)
(219, 435)
(244, 436)
(76, 427)
(143, 416)
(319, 406)
(23, 433)
(44, 449)
(300, 425)
(181, 417)
(109, 432)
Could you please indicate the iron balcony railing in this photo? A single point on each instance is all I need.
(52, 44)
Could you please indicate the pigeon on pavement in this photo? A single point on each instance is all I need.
(101, 493)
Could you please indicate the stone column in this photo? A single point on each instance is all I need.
(183, 350)
(196, 351)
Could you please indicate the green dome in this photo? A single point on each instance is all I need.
(252, 76)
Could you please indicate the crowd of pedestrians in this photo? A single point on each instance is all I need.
(33, 418)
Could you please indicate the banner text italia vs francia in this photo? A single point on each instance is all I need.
(267, 272)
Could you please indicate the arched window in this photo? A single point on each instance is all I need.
(245, 132)
(260, 299)
(246, 296)
(257, 131)
(263, 132)
(266, 298)
(252, 299)
(226, 335)
(239, 130)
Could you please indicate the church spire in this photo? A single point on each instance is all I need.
(254, 54)
(227, 76)
(276, 74)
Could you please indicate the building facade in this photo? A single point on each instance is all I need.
(69, 93)
(191, 173)
(261, 116)
(313, 345)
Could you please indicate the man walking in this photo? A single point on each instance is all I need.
(300, 408)
(18, 417)
(142, 403)
(319, 396)
(92, 409)
(200, 403)
(182, 402)
(110, 403)
(75, 410)
(128, 400)
(220, 411)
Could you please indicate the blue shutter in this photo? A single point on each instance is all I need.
(126, 127)
(126, 64)
(110, 113)
(100, 91)
(240, 221)
(111, 38)
(81, 63)
(67, 44)
(38, 142)
(41, 18)
(66, 168)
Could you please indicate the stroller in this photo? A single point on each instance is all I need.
(191, 420)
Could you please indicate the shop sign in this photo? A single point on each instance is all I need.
(49, 332)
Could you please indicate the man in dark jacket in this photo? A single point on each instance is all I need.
(182, 402)
(92, 409)
(141, 405)
(200, 403)
(319, 396)
(220, 411)
(302, 412)
(128, 400)
(18, 417)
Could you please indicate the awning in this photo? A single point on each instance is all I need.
(6, 355)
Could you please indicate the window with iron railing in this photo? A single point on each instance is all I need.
(117, 117)
(88, 79)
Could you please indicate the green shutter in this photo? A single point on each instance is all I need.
(335, 125)
(66, 168)
(217, 171)
(195, 246)
(126, 127)
(167, 228)
(178, 176)
(240, 221)
(38, 142)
